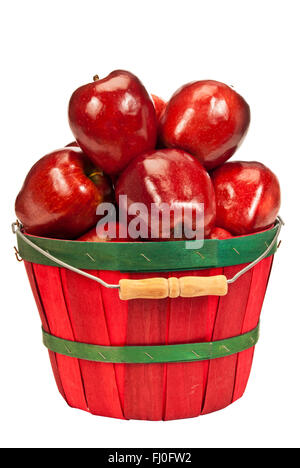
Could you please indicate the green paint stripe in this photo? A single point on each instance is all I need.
(152, 354)
(149, 256)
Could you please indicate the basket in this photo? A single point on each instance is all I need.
(151, 330)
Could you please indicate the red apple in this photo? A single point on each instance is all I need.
(220, 233)
(113, 120)
(60, 195)
(247, 196)
(113, 177)
(170, 177)
(102, 235)
(159, 105)
(206, 118)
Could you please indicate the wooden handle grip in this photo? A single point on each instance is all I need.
(160, 288)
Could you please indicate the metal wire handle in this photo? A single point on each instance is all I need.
(280, 223)
(16, 229)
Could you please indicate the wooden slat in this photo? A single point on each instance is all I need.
(257, 293)
(144, 383)
(87, 316)
(116, 312)
(50, 287)
(191, 320)
(229, 321)
(36, 294)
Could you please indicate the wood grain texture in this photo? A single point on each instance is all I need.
(116, 313)
(88, 319)
(191, 320)
(144, 383)
(207, 286)
(45, 325)
(229, 322)
(77, 309)
(184, 286)
(261, 273)
(50, 287)
(149, 288)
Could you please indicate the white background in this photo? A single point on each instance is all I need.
(50, 48)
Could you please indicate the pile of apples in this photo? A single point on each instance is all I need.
(154, 152)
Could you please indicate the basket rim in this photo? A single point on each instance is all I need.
(150, 256)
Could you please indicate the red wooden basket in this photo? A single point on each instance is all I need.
(72, 307)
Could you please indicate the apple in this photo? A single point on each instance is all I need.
(247, 197)
(206, 118)
(159, 105)
(112, 177)
(220, 233)
(60, 195)
(102, 235)
(171, 177)
(113, 120)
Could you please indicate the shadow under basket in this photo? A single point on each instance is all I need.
(154, 359)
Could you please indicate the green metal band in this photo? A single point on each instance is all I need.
(152, 354)
(149, 256)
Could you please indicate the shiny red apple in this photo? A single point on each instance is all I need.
(171, 177)
(60, 195)
(247, 196)
(113, 120)
(113, 177)
(102, 234)
(206, 118)
(159, 105)
(220, 233)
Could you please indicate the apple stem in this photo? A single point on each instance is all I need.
(96, 78)
(95, 177)
(96, 173)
